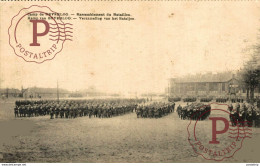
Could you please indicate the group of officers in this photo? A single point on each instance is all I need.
(244, 114)
(75, 108)
(154, 110)
(194, 111)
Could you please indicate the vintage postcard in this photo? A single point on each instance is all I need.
(129, 81)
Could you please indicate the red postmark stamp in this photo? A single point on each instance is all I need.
(219, 137)
(37, 34)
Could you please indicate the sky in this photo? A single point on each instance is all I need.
(166, 39)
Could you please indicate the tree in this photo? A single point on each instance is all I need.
(251, 73)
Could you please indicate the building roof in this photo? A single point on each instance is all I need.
(209, 77)
(46, 90)
(11, 90)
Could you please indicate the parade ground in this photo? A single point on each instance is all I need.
(123, 138)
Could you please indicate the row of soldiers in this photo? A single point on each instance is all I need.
(244, 114)
(221, 100)
(76, 108)
(239, 100)
(194, 111)
(190, 99)
(175, 99)
(19, 103)
(154, 110)
(233, 100)
(206, 99)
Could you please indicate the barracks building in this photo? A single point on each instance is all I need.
(207, 85)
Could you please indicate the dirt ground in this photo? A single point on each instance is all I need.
(119, 139)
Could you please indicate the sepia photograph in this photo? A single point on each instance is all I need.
(122, 81)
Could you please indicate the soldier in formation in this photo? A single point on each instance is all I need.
(206, 99)
(190, 99)
(221, 100)
(194, 111)
(175, 99)
(244, 114)
(235, 100)
(75, 108)
(154, 110)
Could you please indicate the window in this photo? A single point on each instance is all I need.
(223, 87)
(201, 86)
(213, 86)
